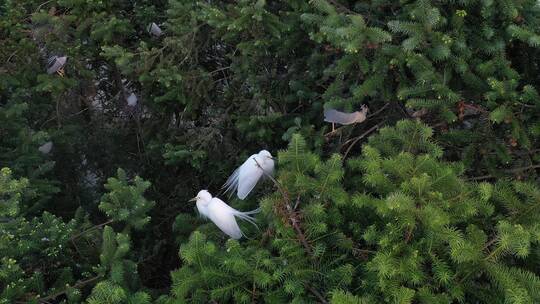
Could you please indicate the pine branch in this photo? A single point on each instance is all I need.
(379, 110)
(362, 253)
(290, 212)
(409, 234)
(296, 225)
(79, 284)
(514, 170)
(342, 8)
(375, 127)
(90, 229)
(491, 242)
(317, 294)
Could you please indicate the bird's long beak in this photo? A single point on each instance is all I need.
(271, 157)
(193, 199)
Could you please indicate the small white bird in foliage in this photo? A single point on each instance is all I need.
(244, 179)
(223, 215)
(154, 29)
(46, 147)
(132, 100)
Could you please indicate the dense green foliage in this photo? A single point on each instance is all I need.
(435, 198)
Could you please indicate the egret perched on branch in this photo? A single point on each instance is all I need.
(223, 215)
(46, 147)
(244, 179)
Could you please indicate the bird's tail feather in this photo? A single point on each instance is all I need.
(245, 216)
(255, 211)
(232, 182)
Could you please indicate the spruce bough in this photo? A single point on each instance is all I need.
(401, 216)
(404, 227)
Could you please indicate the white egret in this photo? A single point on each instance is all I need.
(244, 179)
(132, 100)
(223, 215)
(46, 147)
(154, 29)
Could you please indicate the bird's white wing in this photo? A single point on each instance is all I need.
(268, 166)
(232, 182)
(249, 175)
(223, 216)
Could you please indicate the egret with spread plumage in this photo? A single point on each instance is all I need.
(221, 214)
(244, 179)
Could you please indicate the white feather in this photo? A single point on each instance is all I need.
(249, 175)
(203, 200)
(223, 216)
(132, 100)
(46, 147)
(244, 179)
(232, 182)
(203, 209)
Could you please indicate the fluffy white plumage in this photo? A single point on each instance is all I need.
(223, 215)
(154, 29)
(244, 179)
(46, 147)
(132, 100)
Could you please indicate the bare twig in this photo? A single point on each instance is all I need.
(409, 234)
(11, 56)
(362, 253)
(295, 224)
(317, 294)
(91, 228)
(342, 8)
(375, 127)
(515, 170)
(490, 242)
(291, 215)
(379, 110)
(79, 284)
(42, 4)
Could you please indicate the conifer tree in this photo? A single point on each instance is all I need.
(409, 230)
(36, 256)
(126, 204)
(442, 211)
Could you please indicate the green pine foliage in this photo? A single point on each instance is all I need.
(19, 151)
(285, 263)
(410, 231)
(125, 202)
(432, 199)
(441, 239)
(451, 59)
(120, 278)
(36, 258)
